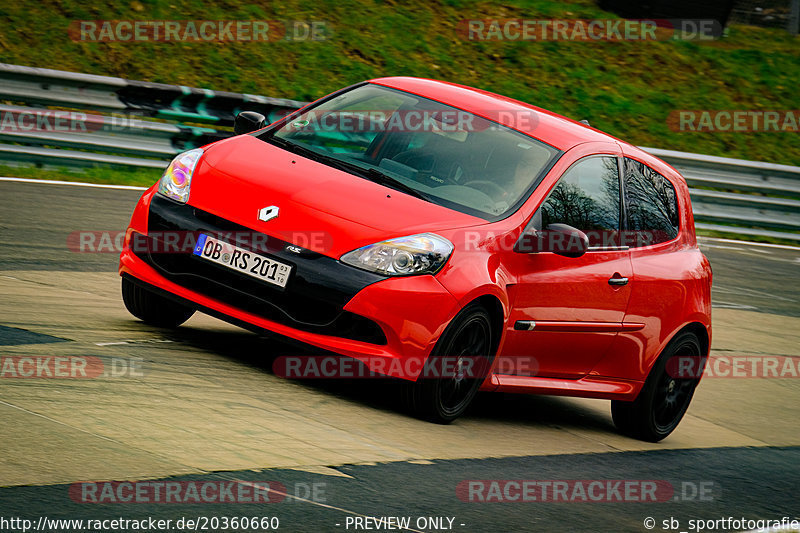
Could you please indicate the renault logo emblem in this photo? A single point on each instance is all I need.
(268, 213)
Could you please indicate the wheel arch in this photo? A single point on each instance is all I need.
(702, 335)
(496, 311)
(695, 327)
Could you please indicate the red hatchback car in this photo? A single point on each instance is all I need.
(417, 225)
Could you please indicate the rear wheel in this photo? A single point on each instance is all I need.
(152, 308)
(456, 369)
(664, 399)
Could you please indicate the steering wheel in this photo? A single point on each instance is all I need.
(429, 172)
(488, 187)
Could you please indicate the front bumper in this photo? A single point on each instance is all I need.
(326, 303)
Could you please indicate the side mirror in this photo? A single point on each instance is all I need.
(248, 121)
(559, 239)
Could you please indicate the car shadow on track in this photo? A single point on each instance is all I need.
(384, 393)
(539, 410)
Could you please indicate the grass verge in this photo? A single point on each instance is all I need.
(627, 89)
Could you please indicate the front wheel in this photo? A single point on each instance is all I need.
(152, 308)
(455, 369)
(664, 399)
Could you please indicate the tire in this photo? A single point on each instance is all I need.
(153, 309)
(664, 399)
(468, 340)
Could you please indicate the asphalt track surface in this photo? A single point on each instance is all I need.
(207, 407)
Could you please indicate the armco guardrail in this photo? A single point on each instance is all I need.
(109, 94)
(756, 198)
(195, 117)
(141, 124)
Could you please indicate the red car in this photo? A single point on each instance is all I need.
(422, 227)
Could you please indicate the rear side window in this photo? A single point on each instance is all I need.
(652, 206)
(587, 198)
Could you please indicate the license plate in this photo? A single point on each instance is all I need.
(241, 260)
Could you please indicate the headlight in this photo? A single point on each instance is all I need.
(177, 179)
(425, 253)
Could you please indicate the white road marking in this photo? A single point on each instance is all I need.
(753, 252)
(750, 243)
(136, 188)
(736, 248)
(76, 184)
(60, 423)
(89, 432)
(322, 470)
(778, 529)
(750, 292)
(726, 305)
(142, 341)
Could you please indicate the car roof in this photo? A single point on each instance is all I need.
(556, 130)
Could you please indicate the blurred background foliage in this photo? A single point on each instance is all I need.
(627, 89)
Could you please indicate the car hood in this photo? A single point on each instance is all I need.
(320, 208)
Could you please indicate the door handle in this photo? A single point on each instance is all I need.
(617, 280)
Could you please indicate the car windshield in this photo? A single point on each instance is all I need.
(422, 147)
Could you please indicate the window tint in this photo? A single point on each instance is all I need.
(651, 202)
(587, 198)
(348, 123)
(450, 156)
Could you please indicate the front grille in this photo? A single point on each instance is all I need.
(312, 301)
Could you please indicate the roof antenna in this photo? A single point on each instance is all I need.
(584, 121)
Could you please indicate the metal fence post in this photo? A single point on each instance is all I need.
(794, 17)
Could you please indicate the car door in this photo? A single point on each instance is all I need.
(568, 310)
(664, 267)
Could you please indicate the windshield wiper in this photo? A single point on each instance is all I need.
(295, 148)
(375, 175)
(371, 173)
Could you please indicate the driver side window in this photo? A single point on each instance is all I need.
(587, 197)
